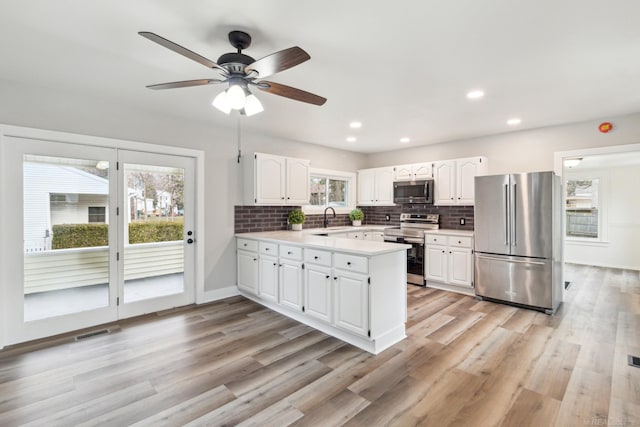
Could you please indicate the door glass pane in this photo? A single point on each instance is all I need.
(66, 247)
(154, 243)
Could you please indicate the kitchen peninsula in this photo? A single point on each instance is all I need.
(352, 289)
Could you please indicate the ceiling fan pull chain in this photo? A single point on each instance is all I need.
(239, 146)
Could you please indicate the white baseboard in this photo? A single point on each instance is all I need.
(217, 294)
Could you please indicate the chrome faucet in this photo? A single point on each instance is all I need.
(326, 221)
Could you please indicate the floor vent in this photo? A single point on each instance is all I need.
(634, 361)
(567, 284)
(91, 334)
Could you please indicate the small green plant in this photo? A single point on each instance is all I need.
(296, 216)
(356, 215)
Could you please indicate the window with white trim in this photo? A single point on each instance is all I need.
(329, 188)
(583, 208)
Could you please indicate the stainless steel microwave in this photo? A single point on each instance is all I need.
(410, 192)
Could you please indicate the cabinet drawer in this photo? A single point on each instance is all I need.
(291, 252)
(435, 239)
(460, 241)
(351, 263)
(269, 248)
(317, 257)
(356, 235)
(248, 245)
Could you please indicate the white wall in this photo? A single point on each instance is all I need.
(620, 198)
(66, 111)
(523, 151)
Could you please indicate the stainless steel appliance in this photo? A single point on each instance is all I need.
(518, 241)
(412, 192)
(411, 231)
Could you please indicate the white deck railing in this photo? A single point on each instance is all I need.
(71, 268)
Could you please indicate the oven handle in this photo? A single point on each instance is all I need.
(414, 240)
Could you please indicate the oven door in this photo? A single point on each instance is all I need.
(415, 261)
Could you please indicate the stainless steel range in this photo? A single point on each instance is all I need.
(411, 231)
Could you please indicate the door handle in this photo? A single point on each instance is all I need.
(506, 214)
(515, 261)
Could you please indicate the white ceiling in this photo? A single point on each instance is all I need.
(607, 161)
(402, 68)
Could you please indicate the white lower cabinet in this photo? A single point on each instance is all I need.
(449, 261)
(291, 280)
(352, 301)
(268, 279)
(248, 271)
(317, 292)
(359, 299)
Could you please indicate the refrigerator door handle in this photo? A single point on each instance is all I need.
(506, 214)
(514, 221)
(516, 261)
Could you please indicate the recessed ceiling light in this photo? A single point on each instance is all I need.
(475, 94)
(405, 140)
(351, 139)
(514, 121)
(355, 125)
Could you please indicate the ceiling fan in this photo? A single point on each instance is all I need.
(241, 71)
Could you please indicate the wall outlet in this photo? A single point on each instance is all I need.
(387, 217)
(463, 221)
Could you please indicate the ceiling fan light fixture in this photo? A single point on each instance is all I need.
(236, 97)
(221, 102)
(252, 105)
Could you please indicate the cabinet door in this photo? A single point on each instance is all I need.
(317, 292)
(297, 179)
(384, 186)
(403, 173)
(444, 175)
(366, 187)
(460, 266)
(291, 284)
(352, 302)
(466, 171)
(376, 236)
(268, 282)
(436, 263)
(270, 179)
(422, 171)
(248, 271)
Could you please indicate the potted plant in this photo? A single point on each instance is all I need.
(296, 219)
(356, 216)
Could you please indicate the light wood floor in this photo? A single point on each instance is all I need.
(233, 362)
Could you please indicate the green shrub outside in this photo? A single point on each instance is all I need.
(149, 232)
(79, 236)
(90, 235)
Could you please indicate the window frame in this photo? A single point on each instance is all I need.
(601, 205)
(103, 215)
(350, 177)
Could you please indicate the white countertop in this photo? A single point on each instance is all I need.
(344, 229)
(309, 240)
(451, 232)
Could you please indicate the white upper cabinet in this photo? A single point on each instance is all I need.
(454, 180)
(444, 175)
(412, 172)
(297, 182)
(276, 180)
(375, 186)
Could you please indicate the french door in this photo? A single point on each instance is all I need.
(96, 234)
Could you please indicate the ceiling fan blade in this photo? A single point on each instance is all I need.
(186, 83)
(278, 61)
(291, 92)
(181, 50)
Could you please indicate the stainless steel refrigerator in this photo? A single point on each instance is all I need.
(518, 240)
